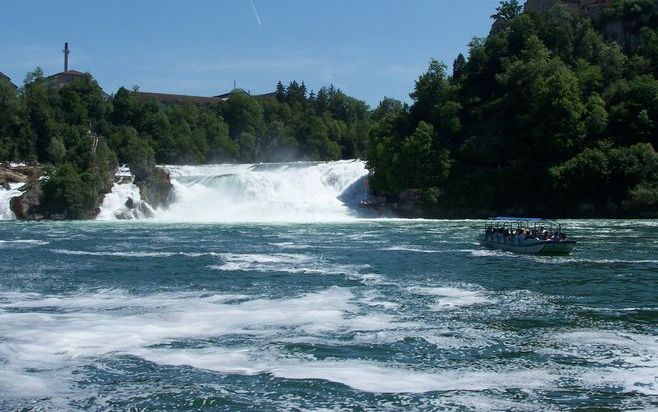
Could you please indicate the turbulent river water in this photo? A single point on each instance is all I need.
(356, 314)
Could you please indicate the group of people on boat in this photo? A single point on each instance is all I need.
(502, 234)
(532, 236)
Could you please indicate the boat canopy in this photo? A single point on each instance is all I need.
(519, 219)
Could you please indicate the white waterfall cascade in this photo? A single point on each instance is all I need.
(124, 202)
(275, 192)
(5, 198)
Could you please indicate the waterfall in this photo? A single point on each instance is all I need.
(5, 197)
(275, 192)
(124, 201)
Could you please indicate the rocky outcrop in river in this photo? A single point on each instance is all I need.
(156, 189)
(26, 205)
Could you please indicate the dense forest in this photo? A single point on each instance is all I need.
(550, 115)
(52, 125)
(547, 116)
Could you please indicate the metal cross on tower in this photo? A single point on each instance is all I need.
(66, 56)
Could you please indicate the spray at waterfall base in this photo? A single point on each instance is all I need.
(264, 192)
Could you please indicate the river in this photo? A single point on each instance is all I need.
(352, 314)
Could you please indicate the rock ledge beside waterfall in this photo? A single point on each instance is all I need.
(156, 189)
(24, 181)
(22, 184)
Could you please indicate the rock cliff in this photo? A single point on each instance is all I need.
(26, 205)
(156, 188)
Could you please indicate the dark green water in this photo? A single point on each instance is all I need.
(373, 315)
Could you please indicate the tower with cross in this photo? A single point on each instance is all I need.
(66, 56)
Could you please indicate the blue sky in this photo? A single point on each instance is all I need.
(368, 48)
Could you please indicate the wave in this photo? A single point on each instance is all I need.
(25, 241)
(566, 260)
(131, 253)
(289, 263)
(361, 375)
(410, 249)
(452, 297)
(53, 335)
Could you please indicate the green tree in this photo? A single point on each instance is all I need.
(133, 151)
(56, 150)
(10, 122)
(65, 192)
(507, 10)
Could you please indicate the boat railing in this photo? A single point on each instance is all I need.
(508, 228)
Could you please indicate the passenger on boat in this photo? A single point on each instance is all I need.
(504, 234)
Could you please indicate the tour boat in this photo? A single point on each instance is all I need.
(530, 236)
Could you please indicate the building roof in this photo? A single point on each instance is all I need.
(178, 98)
(63, 78)
(69, 74)
(4, 76)
(167, 98)
(225, 96)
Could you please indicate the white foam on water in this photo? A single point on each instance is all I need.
(131, 254)
(286, 192)
(372, 377)
(288, 263)
(628, 361)
(24, 241)
(53, 334)
(111, 299)
(366, 278)
(290, 245)
(409, 249)
(375, 298)
(566, 260)
(361, 375)
(452, 297)
(256, 258)
(114, 204)
(487, 253)
(15, 382)
(5, 198)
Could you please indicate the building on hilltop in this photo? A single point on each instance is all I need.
(61, 79)
(5, 77)
(225, 96)
(165, 98)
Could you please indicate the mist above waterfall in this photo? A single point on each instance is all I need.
(274, 192)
